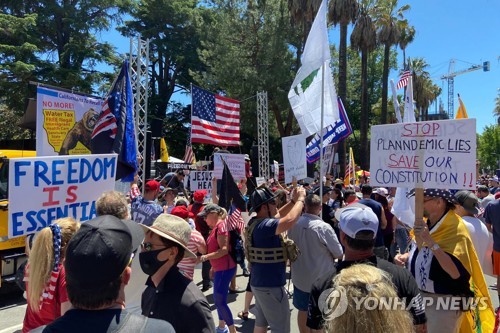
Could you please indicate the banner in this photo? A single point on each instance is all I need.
(432, 154)
(332, 134)
(57, 186)
(64, 122)
(235, 162)
(294, 158)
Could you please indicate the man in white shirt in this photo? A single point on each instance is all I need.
(319, 248)
(467, 206)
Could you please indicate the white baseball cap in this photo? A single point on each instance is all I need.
(355, 218)
(381, 191)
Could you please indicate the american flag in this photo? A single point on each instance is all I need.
(215, 119)
(403, 80)
(234, 221)
(107, 120)
(189, 153)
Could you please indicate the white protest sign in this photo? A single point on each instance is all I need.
(327, 160)
(294, 157)
(276, 169)
(235, 163)
(64, 122)
(58, 186)
(430, 154)
(260, 180)
(201, 180)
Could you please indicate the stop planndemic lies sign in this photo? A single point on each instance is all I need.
(43, 189)
(430, 154)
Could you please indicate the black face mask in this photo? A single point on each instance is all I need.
(149, 261)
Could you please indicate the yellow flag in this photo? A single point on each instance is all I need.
(350, 171)
(461, 112)
(163, 151)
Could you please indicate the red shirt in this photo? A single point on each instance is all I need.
(225, 262)
(51, 308)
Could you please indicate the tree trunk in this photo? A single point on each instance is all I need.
(364, 120)
(342, 89)
(385, 82)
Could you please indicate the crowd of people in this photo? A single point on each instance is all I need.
(131, 268)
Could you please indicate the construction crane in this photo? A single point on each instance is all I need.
(451, 81)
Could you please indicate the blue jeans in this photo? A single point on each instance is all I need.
(401, 242)
(221, 289)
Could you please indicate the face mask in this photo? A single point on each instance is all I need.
(149, 261)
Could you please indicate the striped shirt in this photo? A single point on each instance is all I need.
(196, 243)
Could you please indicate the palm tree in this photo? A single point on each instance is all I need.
(496, 110)
(425, 91)
(342, 12)
(364, 40)
(407, 35)
(389, 33)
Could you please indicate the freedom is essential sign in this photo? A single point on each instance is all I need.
(43, 189)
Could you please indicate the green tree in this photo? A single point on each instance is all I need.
(57, 43)
(172, 26)
(424, 90)
(249, 46)
(488, 147)
(388, 17)
(342, 12)
(406, 37)
(364, 40)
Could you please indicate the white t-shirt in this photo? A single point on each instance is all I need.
(480, 238)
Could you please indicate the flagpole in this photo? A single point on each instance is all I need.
(321, 136)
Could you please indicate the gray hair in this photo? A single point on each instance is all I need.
(112, 203)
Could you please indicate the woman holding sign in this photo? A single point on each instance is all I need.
(45, 276)
(446, 268)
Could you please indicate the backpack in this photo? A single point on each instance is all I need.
(236, 247)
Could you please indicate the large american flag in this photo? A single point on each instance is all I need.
(215, 119)
(403, 80)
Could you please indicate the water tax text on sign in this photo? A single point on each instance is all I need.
(431, 154)
(58, 186)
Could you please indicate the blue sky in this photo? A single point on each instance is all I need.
(466, 31)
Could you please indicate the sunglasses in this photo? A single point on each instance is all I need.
(149, 246)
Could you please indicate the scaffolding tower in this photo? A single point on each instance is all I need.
(139, 63)
(263, 134)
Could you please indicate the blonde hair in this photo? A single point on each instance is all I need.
(360, 281)
(41, 259)
(223, 213)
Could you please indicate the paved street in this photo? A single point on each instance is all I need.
(13, 306)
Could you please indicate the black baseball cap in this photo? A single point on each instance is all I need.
(100, 251)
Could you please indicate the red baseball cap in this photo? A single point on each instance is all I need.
(182, 212)
(152, 185)
(199, 195)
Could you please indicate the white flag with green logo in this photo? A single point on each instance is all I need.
(305, 93)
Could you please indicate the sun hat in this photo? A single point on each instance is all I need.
(468, 200)
(100, 250)
(173, 228)
(355, 218)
